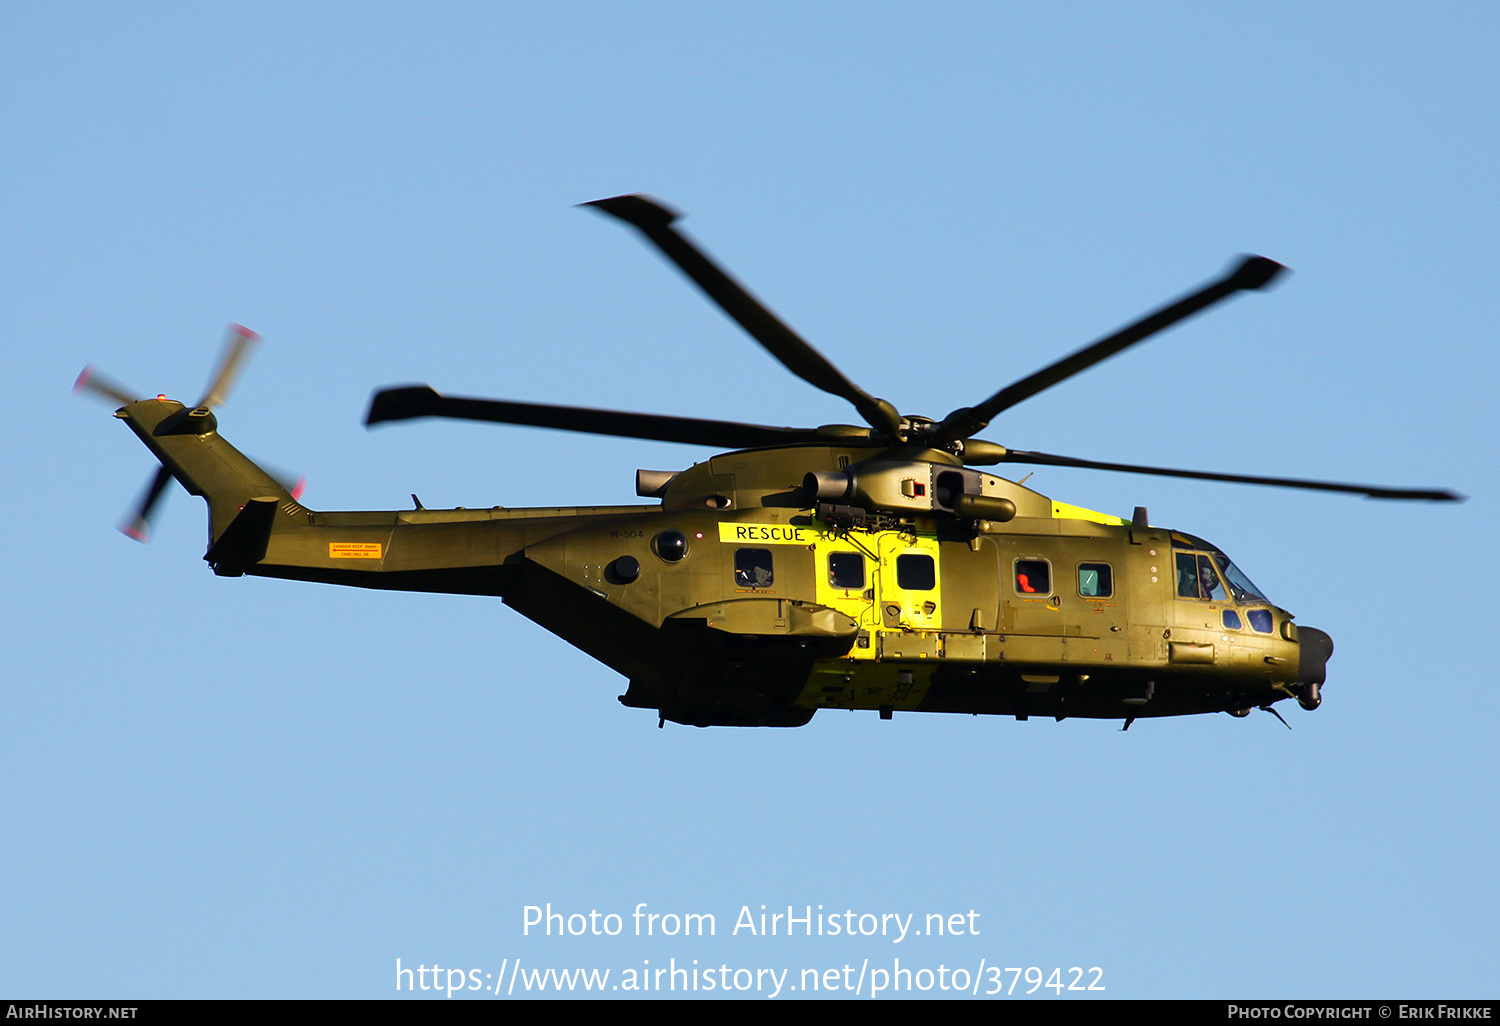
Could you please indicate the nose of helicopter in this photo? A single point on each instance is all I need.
(1317, 646)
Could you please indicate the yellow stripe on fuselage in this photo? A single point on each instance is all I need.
(1062, 511)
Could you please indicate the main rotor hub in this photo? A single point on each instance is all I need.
(916, 430)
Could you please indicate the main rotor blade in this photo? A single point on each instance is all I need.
(139, 526)
(1252, 272)
(235, 346)
(1370, 491)
(795, 353)
(421, 401)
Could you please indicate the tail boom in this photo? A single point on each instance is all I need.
(257, 527)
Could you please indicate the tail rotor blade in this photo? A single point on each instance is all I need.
(293, 484)
(139, 526)
(235, 348)
(90, 380)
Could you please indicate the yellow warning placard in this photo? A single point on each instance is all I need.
(355, 550)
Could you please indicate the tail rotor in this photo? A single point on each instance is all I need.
(236, 347)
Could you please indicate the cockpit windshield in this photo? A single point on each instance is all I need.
(1196, 581)
(1239, 584)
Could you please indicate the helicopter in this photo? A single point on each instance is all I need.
(878, 566)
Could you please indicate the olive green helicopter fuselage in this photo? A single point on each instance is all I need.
(739, 599)
(844, 566)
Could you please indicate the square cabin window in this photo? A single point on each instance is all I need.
(1033, 577)
(752, 568)
(916, 572)
(846, 570)
(1095, 580)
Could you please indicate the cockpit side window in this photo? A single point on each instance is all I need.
(1198, 579)
(1239, 585)
(1187, 575)
(1208, 581)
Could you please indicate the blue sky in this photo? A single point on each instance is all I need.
(261, 789)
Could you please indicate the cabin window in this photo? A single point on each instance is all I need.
(916, 571)
(1197, 578)
(752, 568)
(846, 570)
(1232, 620)
(1095, 580)
(1260, 620)
(1033, 577)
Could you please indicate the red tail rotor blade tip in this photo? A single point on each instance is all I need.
(244, 332)
(140, 534)
(299, 487)
(83, 378)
